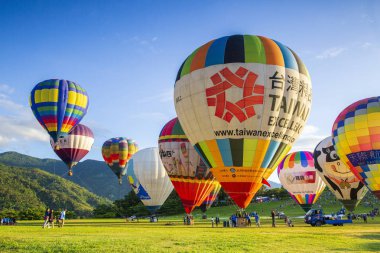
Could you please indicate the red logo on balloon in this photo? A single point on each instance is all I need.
(243, 109)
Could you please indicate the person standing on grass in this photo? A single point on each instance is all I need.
(217, 220)
(273, 218)
(62, 218)
(248, 220)
(51, 218)
(212, 221)
(257, 220)
(46, 218)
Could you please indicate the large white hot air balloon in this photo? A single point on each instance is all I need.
(242, 101)
(148, 178)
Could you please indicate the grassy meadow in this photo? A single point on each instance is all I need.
(170, 235)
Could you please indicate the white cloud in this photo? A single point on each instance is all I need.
(309, 139)
(6, 89)
(162, 97)
(20, 125)
(147, 43)
(367, 18)
(366, 45)
(97, 128)
(331, 53)
(8, 104)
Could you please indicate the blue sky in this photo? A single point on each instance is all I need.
(126, 54)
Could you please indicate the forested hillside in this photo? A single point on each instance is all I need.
(93, 175)
(22, 189)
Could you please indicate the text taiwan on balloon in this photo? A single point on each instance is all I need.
(242, 101)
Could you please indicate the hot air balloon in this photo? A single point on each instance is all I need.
(190, 176)
(299, 177)
(59, 105)
(207, 203)
(148, 178)
(242, 101)
(337, 176)
(116, 153)
(356, 138)
(74, 146)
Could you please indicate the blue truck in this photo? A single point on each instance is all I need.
(316, 218)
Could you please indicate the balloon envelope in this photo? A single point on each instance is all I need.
(242, 101)
(116, 153)
(190, 176)
(356, 138)
(74, 146)
(299, 177)
(207, 203)
(148, 178)
(337, 176)
(59, 105)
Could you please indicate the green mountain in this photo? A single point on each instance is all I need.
(22, 188)
(93, 175)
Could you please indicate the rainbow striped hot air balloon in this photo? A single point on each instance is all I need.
(116, 153)
(74, 146)
(242, 101)
(59, 105)
(299, 177)
(356, 138)
(191, 178)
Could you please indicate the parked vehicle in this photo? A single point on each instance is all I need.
(315, 217)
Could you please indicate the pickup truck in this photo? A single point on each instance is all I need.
(315, 217)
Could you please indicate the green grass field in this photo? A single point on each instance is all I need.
(170, 235)
(115, 235)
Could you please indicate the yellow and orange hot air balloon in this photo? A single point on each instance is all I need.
(242, 101)
(190, 176)
(356, 138)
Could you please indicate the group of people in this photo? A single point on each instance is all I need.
(7, 221)
(49, 218)
(188, 219)
(233, 220)
(215, 221)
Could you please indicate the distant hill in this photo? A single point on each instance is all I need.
(274, 185)
(22, 188)
(93, 175)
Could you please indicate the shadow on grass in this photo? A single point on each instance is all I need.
(370, 246)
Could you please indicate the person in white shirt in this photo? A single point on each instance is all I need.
(62, 218)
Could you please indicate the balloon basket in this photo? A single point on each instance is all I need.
(241, 222)
(153, 218)
(70, 173)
